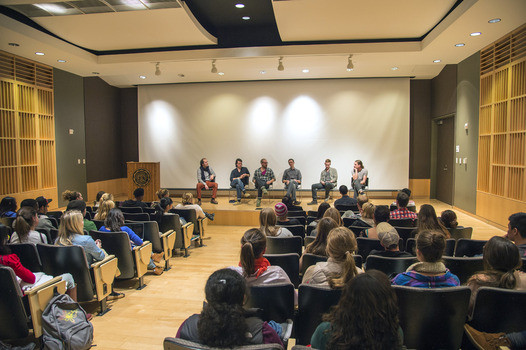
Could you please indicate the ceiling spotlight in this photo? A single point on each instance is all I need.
(221, 73)
(13, 44)
(437, 61)
(240, 6)
(494, 20)
(61, 61)
(475, 34)
(39, 53)
(305, 71)
(246, 18)
(350, 65)
(262, 72)
(460, 44)
(142, 77)
(394, 68)
(214, 68)
(280, 64)
(157, 69)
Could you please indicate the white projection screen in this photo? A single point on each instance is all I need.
(307, 120)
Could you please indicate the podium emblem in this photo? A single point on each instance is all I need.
(141, 177)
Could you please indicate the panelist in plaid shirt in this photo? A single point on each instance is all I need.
(263, 178)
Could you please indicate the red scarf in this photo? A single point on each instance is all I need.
(260, 265)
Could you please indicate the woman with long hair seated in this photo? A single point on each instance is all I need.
(428, 221)
(332, 213)
(430, 271)
(322, 208)
(8, 207)
(340, 267)
(104, 209)
(115, 223)
(448, 218)
(69, 195)
(267, 222)
(502, 264)
(367, 218)
(319, 246)
(366, 317)
(188, 203)
(25, 224)
(223, 322)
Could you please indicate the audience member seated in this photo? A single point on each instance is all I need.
(360, 201)
(162, 193)
(43, 223)
(321, 211)
(223, 322)
(517, 231)
(115, 223)
(367, 216)
(97, 199)
(188, 203)
(332, 213)
(81, 206)
(253, 266)
(430, 271)
(163, 208)
(42, 209)
(514, 341)
(448, 218)
(139, 195)
(71, 232)
(410, 205)
(104, 209)
(402, 199)
(345, 199)
(389, 239)
(267, 222)
(319, 246)
(69, 195)
(339, 268)
(239, 180)
(287, 200)
(501, 263)
(26, 278)
(281, 212)
(428, 221)
(25, 224)
(381, 214)
(366, 317)
(8, 207)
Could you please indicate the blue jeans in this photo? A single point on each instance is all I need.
(328, 187)
(291, 189)
(357, 185)
(260, 183)
(239, 186)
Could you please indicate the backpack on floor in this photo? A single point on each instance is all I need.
(65, 325)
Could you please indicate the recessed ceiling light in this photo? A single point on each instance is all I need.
(240, 6)
(394, 68)
(305, 71)
(246, 18)
(96, 73)
(475, 34)
(437, 61)
(39, 53)
(460, 44)
(142, 77)
(262, 72)
(494, 20)
(13, 44)
(221, 73)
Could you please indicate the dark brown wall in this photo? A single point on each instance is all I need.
(111, 126)
(444, 92)
(420, 129)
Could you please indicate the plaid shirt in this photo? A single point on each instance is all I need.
(269, 175)
(402, 213)
(415, 279)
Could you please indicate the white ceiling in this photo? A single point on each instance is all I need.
(297, 20)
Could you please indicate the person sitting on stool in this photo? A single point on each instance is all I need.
(328, 180)
(239, 179)
(359, 177)
(206, 178)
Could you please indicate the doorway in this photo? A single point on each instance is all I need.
(443, 136)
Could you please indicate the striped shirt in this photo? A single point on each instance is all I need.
(402, 213)
(269, 175)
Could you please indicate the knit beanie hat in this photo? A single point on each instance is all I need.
(280, 209)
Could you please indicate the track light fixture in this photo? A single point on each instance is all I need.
(214, 68)
(157, 69)
(350, 65)
(280, 64)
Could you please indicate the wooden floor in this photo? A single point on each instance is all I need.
(143, 318)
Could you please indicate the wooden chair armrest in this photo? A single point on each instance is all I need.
(188, 224)
(104, 273)
(142, 256)
(290, 343)
(38, 298)
(166, 234)
(168, 239)
(188, 232)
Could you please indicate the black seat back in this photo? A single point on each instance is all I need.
(469, 247)
(499, 310)
(137, 227)
(182, 344)
(296, 230)
(432, 318)
(309, 260)
(132, 210)
(308, 240)
(151, 234)
(28, 255)
(463, 268)
(278, 245)
(388, 265)
(405, 233)
(13, 318)
(276, 301)
(402, 222)
(310, 219)
(458, 233)
(189, 215)
(297, 213)
(290, 263)
(348, 222)
(55, 214)
(365, 245)
(136, 216)
(301, 219)
(344, 207)
(173, 222)
(118, 244)
(309, 230)
(57, 260)
(313, 302)
(357, 230)
(53, 221)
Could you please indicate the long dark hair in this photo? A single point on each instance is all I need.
(366, 316)
(431, 245)
(114, 220)
(253, 244)
(428, 220)
(25, 220)
(160, 208)
(222, 322)
(322, 209)
(7, 204)
(319, 246)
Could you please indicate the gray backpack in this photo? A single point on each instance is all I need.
(65, 325)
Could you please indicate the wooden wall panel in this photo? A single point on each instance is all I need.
(496, 208)
(117, 187)
(420, 187)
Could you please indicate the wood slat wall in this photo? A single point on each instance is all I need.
(27, 128)
(502, 126)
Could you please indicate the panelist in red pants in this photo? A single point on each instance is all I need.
(206, 177)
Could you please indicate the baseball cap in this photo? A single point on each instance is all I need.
(387, 234)
(28, 203)
(42, 201)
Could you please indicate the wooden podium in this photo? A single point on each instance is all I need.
(145, 175)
